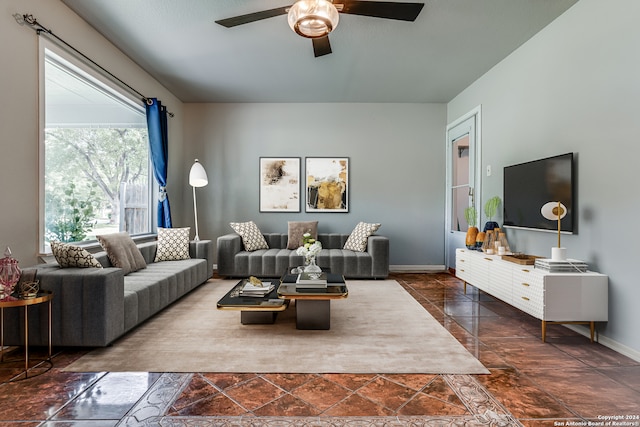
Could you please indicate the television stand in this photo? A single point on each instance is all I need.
(553, 298)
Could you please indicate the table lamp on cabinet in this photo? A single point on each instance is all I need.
(555, 211)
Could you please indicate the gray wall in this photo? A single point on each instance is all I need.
(396, 154)
(575, 87)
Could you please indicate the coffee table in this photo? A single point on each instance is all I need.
(313, 306)
(253, 310)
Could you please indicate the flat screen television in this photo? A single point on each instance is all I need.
(528, 186)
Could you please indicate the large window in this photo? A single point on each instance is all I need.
(96, 167)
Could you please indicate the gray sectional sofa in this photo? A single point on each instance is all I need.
(92, 307)
(234, 261)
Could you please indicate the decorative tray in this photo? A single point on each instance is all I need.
(522, 259)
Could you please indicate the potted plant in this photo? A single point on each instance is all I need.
(471, 215)
(490, 209)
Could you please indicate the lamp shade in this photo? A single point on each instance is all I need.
(553, 211)
(313, 18)
(197, 175)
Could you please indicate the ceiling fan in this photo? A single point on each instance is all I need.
(315, 19)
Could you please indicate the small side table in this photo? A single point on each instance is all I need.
(18, 301)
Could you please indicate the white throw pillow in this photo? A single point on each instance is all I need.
(173, 244)
(357, 240)
(252, 237)
(73, 256)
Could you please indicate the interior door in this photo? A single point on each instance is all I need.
(462, 158)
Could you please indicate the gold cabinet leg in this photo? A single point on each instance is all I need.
(544, 330)
(592, 329)
(465, 287)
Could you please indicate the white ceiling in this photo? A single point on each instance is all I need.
(450, 45)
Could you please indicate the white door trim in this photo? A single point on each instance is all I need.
(475, 180)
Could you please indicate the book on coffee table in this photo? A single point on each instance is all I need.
(251, 290)
(311, 280)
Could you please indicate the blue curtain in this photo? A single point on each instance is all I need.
(158, 141)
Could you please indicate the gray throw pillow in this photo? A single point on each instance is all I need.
(122, 252)
(297, 229)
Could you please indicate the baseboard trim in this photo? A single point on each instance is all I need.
(607, 342)
(417, 268)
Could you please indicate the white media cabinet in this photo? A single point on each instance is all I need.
(570, 298)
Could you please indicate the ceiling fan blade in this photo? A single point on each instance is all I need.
(252, 17)
(382, 9)
(321, 46)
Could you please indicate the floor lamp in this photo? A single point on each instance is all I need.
(197, 178)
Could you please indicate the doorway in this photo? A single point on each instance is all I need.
(463, 180)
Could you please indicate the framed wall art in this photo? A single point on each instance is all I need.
(279, 184)
(327, 184)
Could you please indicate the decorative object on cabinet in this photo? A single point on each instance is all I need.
(489, 244)
(480, 240)
(470, 215)
(197, 178)
(502, 245)
(555, 211)
(565, 266)
(490, 209)
(496, 243)
(522, 259)
(279, 184)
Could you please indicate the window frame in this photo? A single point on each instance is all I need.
(90, 72)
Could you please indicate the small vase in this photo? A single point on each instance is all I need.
(490, 225)
(470, 238)
(312, 267)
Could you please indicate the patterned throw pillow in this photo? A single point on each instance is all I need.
(173, 244)
(357, 240)
(73, 256)
(252, 238)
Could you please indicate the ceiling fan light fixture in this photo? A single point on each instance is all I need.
(313, 18)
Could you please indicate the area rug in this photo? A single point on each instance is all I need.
(379, 328)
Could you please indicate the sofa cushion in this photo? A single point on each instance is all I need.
(357, 240)
(252, 238)
(297, 229)
(173, 244)
(73, 256)
(122, 251)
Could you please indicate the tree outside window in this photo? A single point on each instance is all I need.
(96, 151)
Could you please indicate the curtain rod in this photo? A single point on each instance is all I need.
(39, 29)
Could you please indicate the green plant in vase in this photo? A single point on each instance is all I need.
(471, 215)
(490, 210)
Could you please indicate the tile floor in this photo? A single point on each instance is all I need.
(566, 381)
